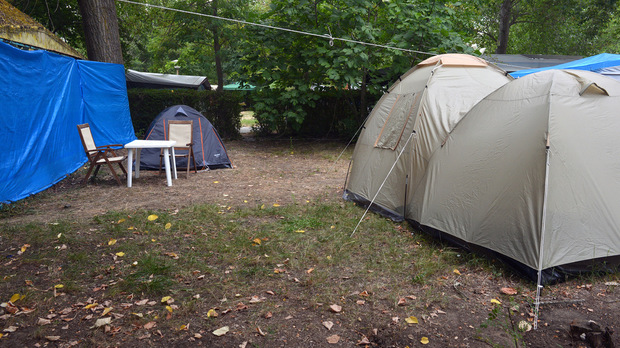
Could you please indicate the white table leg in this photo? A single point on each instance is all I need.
(167, 165)
(129, 166)
(138, 162)
(174, 163)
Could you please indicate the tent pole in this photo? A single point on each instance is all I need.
(383, 183)
(542, 236)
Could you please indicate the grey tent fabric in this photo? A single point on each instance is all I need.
(208, 147)
(138, 79)
(417, 113)
(493, 185)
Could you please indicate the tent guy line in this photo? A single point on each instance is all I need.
(325, 36)
(383, 183)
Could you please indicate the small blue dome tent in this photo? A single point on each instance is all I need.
(208, 147)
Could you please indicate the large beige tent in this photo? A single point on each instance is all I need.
(409, 123)
(532, 173)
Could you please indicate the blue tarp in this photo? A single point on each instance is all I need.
(595, 63)
(44, 97)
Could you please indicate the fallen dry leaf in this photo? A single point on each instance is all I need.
(221, 331)
(411, 320)
(402, 301)
(333, 339)
(363, 341)
(149, 325)
(152, 217)
(508, 291)
(335, 308)
(197, 336)
(260, 332)
(42, 321)
(101, 322)
(424, 340)
(52, 338)
(328, 324)
(211, 313)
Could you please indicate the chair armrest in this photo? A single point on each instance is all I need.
(103, 147)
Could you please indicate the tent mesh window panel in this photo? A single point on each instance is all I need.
(396, 122)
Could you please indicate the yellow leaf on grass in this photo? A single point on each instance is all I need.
(262, 206)
(121, 220)
(165, 299)
(168, 225)
(169, 309)
(494, 301)
(300, 231)
(257, 241)
(15, 298)
(152, 239)
(120, 254)
(58, 286)
(276, 205)
(112, 241)
(456, 271)
(212, 313)
(412, 320)
(91, 305)
(106, 311)
(152, 217)
(24, 247)
(216, 182)
(1, 335)
(424, 340)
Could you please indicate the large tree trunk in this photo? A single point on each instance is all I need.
(101, 30)
(216, 49)
(505, 18)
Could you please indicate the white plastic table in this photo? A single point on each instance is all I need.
(135, 147)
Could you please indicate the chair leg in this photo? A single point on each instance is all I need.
(193, 160)
(188, 155)
(114, 173)
(90, 169)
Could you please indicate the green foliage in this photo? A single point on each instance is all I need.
(289, 67)
(222, 109)
(570, 27)
(332, 112)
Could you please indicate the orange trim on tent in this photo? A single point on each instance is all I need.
(232, 165)
(202, 144)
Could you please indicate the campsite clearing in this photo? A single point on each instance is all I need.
(259, 255)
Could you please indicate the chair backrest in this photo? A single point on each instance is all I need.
(181, 132)
(87, 138)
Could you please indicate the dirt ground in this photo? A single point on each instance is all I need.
(265, 171)
(286, 171)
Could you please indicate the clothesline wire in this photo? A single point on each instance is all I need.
(324, 36)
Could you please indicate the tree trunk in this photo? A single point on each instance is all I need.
(101, 30)
(216, 49)
(363, 97)
(505, 16)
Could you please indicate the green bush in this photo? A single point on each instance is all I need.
(222, 109)
(327, 113)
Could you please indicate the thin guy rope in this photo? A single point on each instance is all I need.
(324, 36)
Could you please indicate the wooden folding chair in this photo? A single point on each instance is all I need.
(182, 133)
(98, 155)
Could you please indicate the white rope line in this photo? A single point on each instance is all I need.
(383, 183)
(324, 36)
